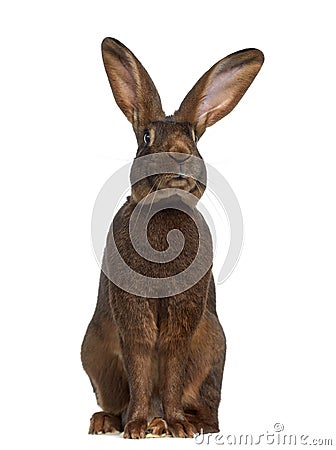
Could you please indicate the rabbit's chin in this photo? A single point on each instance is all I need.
(171, 195)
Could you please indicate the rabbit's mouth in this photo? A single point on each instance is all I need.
(180, 182)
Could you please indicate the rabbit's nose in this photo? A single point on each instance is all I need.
(180, 158)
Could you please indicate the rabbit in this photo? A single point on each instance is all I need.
(155, 357)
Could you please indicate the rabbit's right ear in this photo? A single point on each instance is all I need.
(219, 90)
(132, 87)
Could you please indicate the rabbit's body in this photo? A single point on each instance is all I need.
(160, 332)
(155, 357)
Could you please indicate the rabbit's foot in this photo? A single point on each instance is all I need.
(104, 423)
(203, 422)
(181, 428)
(135, 429)
(158, 427)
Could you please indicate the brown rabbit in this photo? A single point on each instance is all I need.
(154, 349)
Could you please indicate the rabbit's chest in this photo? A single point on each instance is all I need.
(159, 245)
(168, 227)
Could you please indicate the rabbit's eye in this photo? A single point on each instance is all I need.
(147, 137)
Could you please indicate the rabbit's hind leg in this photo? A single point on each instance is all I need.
(104, 366)
(111, 390)
(202, 413)
(202, 389)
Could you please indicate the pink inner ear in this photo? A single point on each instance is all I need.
(219, 95)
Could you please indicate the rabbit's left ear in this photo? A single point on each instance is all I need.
(220, 89)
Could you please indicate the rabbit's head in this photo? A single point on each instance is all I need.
(172, 140)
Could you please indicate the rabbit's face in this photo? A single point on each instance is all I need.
(169, 149)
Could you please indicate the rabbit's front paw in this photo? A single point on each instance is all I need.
(158, 427)
(135, 429)
(181, 429)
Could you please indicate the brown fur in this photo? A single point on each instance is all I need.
(161, 358)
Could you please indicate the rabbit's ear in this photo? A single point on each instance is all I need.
(132, 87)
(220, 89)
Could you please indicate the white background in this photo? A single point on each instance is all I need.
(62, 136)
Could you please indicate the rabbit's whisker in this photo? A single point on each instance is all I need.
(143, 204)
(153, 197)
(197, 185)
